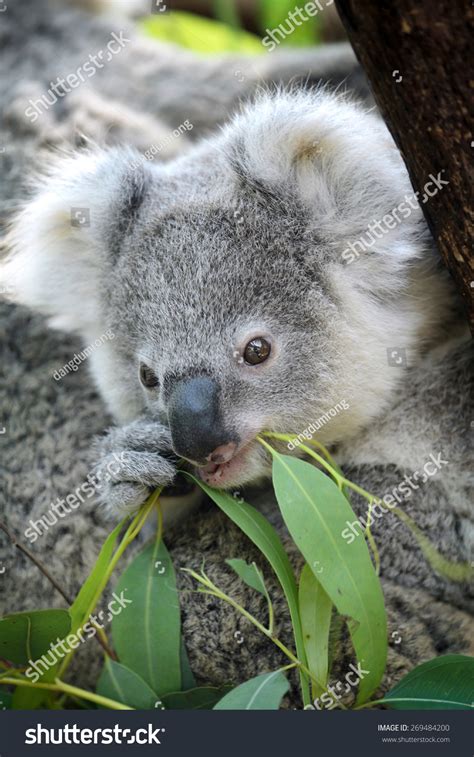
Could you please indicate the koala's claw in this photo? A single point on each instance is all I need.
(133, 460)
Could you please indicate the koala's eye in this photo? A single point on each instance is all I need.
(147, 376)
(257, 351)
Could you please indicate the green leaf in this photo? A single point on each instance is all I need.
(81, 606)
(26, 636)
(123, 685)
(14, 639)
(227, 12)
(264, 692)
(316, 613)
(32, 699)
(198, 698)
(200, 34)
(264, 536)
(275, 12)
(249, 574)
(44, 627)
(25, 699)
(187, 678)
(5, 700)
(147, 637)
(445, 683)
(315, 512)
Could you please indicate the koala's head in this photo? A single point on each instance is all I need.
(224, 278)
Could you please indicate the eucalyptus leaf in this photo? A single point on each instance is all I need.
(227, 12)
(444, 683)
(264, 536)
(275, 12)
(81, 606)
(264, 692)
(198, 698)
(187, 678)
(26, 636)
(315, 512)
(26, 699)
(44, 627)
(14, 639)
(147, 635)
(316, 612)
(123, 685)
(249, 574)
(31, 699)
(5, 700)
(201, 34)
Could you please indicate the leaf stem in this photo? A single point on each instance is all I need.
(216, 592)
(285, 437)
(66, 688)
(371, 540)
(338, 477)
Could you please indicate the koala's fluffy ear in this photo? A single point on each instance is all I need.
(64, 238)
(335, 157)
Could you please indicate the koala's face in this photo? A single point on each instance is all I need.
(227, 325)
(223, 278)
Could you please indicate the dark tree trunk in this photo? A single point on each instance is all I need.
(417, 55)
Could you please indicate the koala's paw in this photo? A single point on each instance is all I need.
(131, 461)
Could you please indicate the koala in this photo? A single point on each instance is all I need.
(222, 274)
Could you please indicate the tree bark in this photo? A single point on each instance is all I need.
(417, 57)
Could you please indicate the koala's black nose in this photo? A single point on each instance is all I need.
(196, 426)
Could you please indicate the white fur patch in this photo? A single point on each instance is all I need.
(53, 263)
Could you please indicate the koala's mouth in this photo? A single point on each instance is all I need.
(231, 473)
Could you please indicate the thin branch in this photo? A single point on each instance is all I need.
(52, 580)
(35, 560)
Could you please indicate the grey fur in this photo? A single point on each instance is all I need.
(167, 264)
